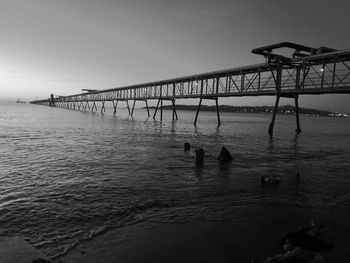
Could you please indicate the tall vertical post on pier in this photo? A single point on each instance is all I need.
(217, 110)
(199, 107)
(115, 104)
(161, 109)
(298, 130)
(200, 103)
(155, 111)
(93, 106)
(87, 105)
(127, 104)
(133, 108)
(103, 109)
(274, 115)
(52, 101)
(161, 102)
(216, 101)
(174, 110)
(278, 80)
(147, 108)
(296, 98)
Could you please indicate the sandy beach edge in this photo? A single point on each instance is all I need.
(250, 239)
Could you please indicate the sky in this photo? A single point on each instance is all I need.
(64, 46)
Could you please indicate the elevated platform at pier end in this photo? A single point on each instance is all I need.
(303, 71)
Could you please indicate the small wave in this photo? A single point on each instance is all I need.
(131, 215)
(65, 249)
(95, 232)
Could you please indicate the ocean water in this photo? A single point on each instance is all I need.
(67, 176)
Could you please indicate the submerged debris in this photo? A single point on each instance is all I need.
(187, 146)
(199, 156)
(225, 155)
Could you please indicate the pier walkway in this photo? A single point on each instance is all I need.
(306, 71)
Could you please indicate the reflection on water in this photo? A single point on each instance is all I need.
(66, 176)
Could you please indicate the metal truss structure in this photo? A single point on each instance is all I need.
(307, 71)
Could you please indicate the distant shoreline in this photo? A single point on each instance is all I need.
(285, 110)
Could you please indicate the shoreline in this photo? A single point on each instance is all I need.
(249, 239)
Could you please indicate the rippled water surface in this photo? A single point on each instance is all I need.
(66, 176)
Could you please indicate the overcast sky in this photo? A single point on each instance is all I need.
(64, 46)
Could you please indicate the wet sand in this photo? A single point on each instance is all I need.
(253, 238)
(18, 250)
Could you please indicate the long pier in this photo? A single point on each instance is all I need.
(307, 71)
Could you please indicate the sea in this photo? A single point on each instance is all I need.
(67, 176)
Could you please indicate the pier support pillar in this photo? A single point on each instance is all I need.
(161, 109)
(274, 115)
(278, 80)
(199, 106)
(52, 101)
(155, 111)
(217, 111)
(147, 108)
(127, 104)
(115, 106)
(133, 108)
(174, 110)
(94, 106)
(103, 109)
(87, 105)
(298, 130)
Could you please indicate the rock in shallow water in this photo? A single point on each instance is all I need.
(187, 146)
(225, 155)
(199, 156)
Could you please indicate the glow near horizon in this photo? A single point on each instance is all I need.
(61, 47)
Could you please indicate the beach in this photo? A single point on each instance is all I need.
(247, 240)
